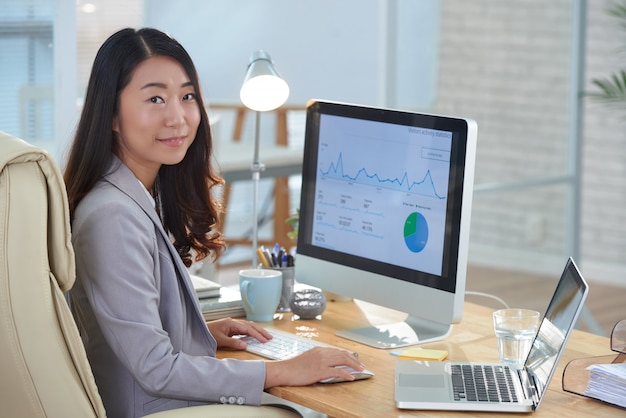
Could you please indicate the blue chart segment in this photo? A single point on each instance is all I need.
(424, 186)
(415, 232)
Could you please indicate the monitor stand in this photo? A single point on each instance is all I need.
(401, 334)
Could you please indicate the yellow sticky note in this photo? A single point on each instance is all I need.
(423, 354)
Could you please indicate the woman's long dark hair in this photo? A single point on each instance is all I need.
(188, 211)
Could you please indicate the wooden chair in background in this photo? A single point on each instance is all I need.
(234, 157)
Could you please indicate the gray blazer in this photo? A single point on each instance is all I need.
(146, 340)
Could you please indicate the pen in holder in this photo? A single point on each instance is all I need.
(288, 282)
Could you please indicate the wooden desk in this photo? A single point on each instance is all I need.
(471, 340)
(234, 160)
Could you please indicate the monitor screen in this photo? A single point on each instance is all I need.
(384, 211)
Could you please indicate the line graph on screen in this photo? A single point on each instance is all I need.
(371, 177)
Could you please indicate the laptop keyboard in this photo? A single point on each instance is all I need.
(482, 383)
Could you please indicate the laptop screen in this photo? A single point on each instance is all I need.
(555, 327)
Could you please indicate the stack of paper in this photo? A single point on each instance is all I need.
(607, 382)
(205, 288)
(227, 304)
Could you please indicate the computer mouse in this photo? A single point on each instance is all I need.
(358, 375)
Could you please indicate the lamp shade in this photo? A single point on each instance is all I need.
(263, 89)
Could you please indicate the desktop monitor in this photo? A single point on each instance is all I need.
(385, 215)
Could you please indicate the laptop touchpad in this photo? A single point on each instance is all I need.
(420, 380)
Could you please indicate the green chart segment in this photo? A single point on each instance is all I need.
(415, 232)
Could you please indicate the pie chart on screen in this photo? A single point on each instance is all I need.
(415, 232)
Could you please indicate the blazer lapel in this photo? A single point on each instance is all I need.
(120, 176)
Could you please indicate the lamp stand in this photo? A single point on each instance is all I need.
(256, 169)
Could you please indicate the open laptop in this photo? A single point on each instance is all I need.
(442, 386)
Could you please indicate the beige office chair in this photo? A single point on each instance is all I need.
(44, 370)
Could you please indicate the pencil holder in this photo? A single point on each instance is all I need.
(288, 282)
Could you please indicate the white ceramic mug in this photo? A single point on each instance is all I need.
(260, 293)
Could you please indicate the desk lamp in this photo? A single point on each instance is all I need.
(262, 90)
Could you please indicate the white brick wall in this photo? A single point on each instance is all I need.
(506, 64)
(604, 180)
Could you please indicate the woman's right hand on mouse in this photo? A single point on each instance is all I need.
(310, 367)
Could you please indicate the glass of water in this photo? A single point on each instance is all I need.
(515, 331)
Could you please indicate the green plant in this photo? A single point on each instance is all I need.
(292, 220)
(612, 89)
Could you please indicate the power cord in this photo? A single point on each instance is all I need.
(487, 295)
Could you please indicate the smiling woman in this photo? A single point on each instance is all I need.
(127, 64)
(158, 118)
(139, 180)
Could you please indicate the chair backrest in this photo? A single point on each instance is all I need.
(44, 370)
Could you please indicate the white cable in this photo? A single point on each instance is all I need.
(487, 295)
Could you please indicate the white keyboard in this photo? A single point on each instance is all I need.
(284, 345)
